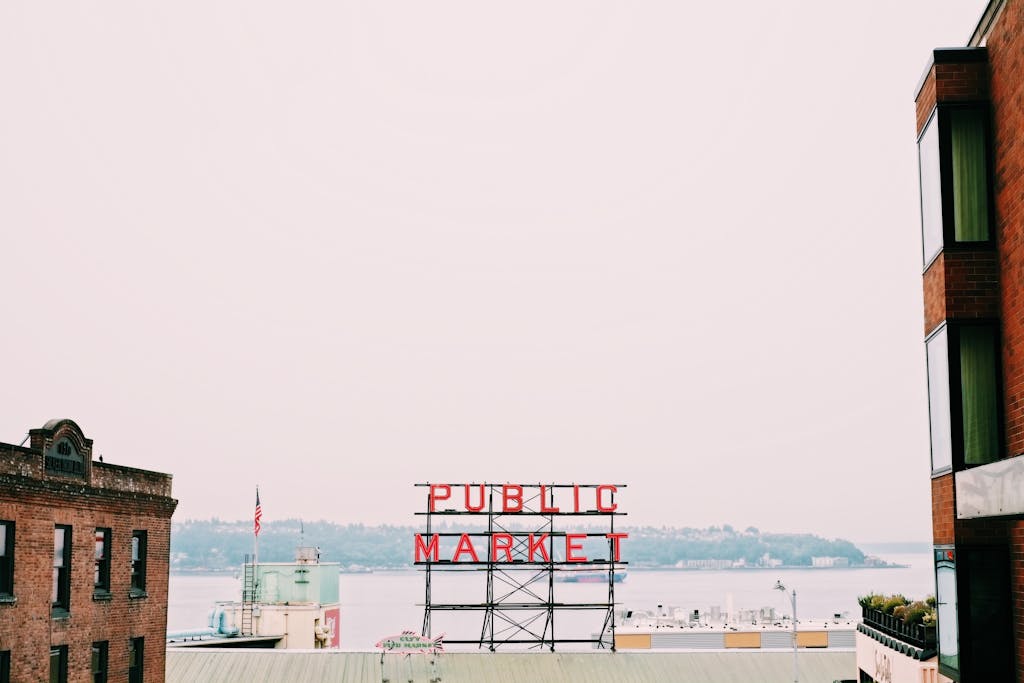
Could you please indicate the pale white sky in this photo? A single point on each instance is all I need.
(336, 248)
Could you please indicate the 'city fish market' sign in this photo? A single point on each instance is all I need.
(518, 499)
(411, 643)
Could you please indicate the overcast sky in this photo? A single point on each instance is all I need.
(337, 248)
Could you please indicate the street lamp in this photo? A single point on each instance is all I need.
(779, 586)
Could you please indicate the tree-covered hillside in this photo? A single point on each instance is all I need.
(218, 545)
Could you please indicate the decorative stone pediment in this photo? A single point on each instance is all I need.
(66, 451)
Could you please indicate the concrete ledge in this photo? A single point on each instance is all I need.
(993, 490)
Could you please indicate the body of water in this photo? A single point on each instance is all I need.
(385, 603)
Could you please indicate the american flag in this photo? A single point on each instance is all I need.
(258, 515)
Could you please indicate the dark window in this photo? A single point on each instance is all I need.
(975, 613)
(136, 653)
(99, 662)
(987, 603)
(6, 559)
(964, 396)
(59, 664)
(5, 666)
(61, 595)
(101, 561)
(139, 561)
(954, 173)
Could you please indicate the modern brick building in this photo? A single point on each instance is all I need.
(84, 549)
(970, 127)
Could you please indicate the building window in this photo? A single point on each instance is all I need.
(136, 653)
(937, 348)
(6, 559)
(61, 595)
(954, 173)
(5, 666)
(101, 562)
(931, 189)
(139, 562)
(59, 664)
(99, 662)
(975, 612)
(946, 610)
(964, 404)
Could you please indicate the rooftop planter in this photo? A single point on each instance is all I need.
(895, 616)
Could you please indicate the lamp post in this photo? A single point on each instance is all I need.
(779, 586)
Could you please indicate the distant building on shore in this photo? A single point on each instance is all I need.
(84, 550)
(830, 562)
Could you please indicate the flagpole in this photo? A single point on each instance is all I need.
(256, 545)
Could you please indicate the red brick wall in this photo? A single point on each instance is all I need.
(951, 83)
(961, 82)
(27, 629)
(925, 100)
(935, 294)
(1006, 57)
(943, 510)
(961, 285)
(972, 285)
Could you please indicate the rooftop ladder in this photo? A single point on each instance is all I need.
(248, 595)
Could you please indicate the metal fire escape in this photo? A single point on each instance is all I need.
(248, 594)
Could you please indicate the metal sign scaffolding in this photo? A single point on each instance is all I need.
(523, 553)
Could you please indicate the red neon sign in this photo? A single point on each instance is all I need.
(474, 496)
(518, 499)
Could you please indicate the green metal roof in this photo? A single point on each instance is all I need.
(287, 666)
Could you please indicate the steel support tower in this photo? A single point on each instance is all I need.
(520, 606)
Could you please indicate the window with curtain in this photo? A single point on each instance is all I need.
(964, 399)
(953, 160)
(970, 175)
(138, 585)
(61, 594)
(979, 394)
(101, 561)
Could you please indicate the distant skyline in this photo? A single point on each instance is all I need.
(336, 249)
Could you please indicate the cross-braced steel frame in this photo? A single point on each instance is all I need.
(519, 607)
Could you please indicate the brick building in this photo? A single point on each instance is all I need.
(970, 127)
(84, 549)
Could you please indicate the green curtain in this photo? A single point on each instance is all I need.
(970, 179)
(978, 394)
